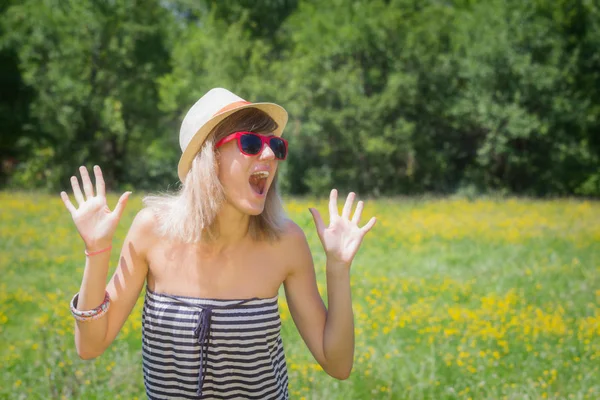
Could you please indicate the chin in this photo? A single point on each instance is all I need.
(249, 202)
(254, 202)
(249, 206)
(255, 213)
(252, 208)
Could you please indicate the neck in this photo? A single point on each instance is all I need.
(232, 227)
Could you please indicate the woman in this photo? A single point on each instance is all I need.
(213, 257)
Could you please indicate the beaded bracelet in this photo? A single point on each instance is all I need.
(89, 315)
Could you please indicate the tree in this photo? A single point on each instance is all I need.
(13, 107)
(92, 66)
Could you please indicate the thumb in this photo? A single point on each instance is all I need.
(318, 222)
(121, 205)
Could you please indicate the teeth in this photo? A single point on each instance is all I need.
(261, 174)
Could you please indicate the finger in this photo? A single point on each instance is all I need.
(369, 225)
(333, 210)
(319, 224)
(121, 205)
(65, 198)
(87, 183)
(358, 212)
(77, 191)
(100, 187)
(348, 205)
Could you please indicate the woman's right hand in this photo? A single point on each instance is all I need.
(95, 222)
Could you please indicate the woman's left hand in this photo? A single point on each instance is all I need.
(343, 237)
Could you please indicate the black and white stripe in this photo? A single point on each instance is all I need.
(244, 356)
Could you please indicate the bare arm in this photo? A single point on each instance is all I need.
(329, 334)
(96, 225)
(93, 338)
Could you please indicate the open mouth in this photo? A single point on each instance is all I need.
(258, 181)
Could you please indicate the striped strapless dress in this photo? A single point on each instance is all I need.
(196, 348)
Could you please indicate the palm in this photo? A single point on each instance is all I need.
(343, 237)
(94, 221)
(341, 240)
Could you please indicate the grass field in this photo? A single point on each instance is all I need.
(453, 300)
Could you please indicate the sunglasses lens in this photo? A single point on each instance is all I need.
(251, 144)
(278, 147)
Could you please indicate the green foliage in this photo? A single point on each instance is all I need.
(93, 67)
(14, 105)
(385, 97)
(518, 91)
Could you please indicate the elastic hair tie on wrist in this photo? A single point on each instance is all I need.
(93, 253)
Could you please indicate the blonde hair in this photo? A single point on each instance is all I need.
(189, 215)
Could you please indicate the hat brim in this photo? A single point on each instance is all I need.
(275, 111)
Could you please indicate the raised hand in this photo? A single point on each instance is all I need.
(343, 237)
(95, 222)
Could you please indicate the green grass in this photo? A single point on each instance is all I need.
(453, 300)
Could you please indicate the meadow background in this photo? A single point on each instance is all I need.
(454, 298)
(472, 126)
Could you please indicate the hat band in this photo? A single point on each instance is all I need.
(231, 106)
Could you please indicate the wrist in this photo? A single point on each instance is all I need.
(94, 251)
(97, 246)
(337, 268)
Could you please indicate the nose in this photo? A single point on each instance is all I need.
(266, 153)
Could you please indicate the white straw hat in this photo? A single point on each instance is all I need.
(212, 108)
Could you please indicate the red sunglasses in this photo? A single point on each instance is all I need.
(251, 143)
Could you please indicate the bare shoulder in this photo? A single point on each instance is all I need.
(143, 228)
(295, 246)
(292, 234)
(145, 218)
(145, 221)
